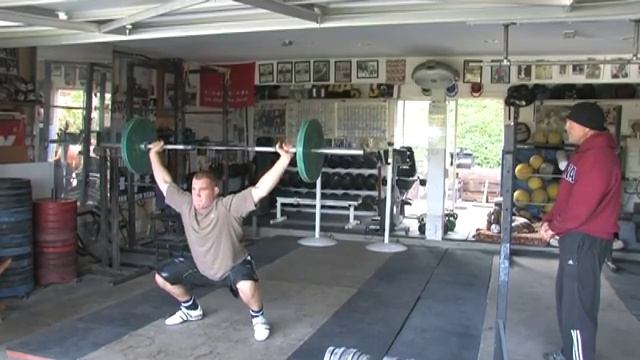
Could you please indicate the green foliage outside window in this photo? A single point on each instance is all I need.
(480, 129)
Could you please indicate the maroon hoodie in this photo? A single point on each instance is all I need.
(589, 197)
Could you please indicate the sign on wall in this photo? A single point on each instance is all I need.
(241, 86)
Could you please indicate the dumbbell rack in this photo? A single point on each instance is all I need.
(298, 196)
(376, 193)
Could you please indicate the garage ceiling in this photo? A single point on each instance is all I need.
(226, 30)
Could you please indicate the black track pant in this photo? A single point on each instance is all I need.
(578, 292)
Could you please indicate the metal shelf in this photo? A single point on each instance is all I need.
(546, 147)
(330, 211)
(535, 204)
(333, 191)
(344, 171)
(573, 101)
(550, 176)
(20, 103)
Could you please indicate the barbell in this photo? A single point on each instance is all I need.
(140, 132)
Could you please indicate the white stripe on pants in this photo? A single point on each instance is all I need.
(577, 344)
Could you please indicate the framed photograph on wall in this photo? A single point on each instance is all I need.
(524, 72)
(543, 72)
(56, 70)
(563, 71)
(265, 73)
(302, 70)
(500, 74)
(70, 75)
(577, 70)
(82, 76)
(395, 70)
(285, 72)
(594, 72)
(321, 71)
(342, 71)
(366, 69)
(619, 71)
(472, 71)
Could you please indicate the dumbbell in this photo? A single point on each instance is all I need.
(295, 180)
(308, 185)
(334, 181)
(357, 162)
(345, 162)
(371, 161)
(325, 178)
(359, 182)
(371, 182)
(347, 181)
(332, 161)
(285, 180)
(369, 203)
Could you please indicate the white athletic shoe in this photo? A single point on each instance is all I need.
(183, 315)
(617, 244)
(261, 328)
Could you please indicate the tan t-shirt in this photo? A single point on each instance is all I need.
(214, 236)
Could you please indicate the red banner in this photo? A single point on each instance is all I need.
(11, 132)
(241, 86)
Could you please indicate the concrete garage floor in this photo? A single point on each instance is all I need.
(426, 303)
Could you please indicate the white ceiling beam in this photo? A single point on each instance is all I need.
(108, 14)
(509, 2)
(479, 14)
(14, 3)
(616, 11)
(150, 13)
(37, 20)
(284, 9)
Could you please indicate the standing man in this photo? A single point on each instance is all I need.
(585, 218)
(213, 227)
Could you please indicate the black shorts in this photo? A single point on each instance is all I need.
(183, 271)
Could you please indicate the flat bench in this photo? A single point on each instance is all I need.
(351, 204)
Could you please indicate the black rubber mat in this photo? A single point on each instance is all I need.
(72, 339)
(447, 321)
(626, 283)
(373, 316)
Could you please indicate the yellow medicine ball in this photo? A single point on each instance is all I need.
(535, 161)
(539, 196)
(521, 197)
(554, 138)
(552, 190)
(539, 137)
(535, 183)
(523, 171)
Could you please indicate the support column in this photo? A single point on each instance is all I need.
(437, 157)
(506, 189)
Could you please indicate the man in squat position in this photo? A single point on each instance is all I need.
(213, 227)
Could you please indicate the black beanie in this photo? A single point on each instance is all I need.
(589, 115)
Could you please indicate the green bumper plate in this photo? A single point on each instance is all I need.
(137, 132)
(310, 137)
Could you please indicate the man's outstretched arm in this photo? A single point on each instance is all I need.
(270, 179)
(160, 172)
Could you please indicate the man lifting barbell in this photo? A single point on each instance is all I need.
(213, 227)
